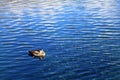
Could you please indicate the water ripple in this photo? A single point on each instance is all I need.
(80, 38)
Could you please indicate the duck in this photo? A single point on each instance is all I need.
(37, 53)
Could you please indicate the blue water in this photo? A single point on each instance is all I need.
(81, 39)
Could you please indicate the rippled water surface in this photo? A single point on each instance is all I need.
(81, 39)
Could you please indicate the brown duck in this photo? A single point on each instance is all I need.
(37, 53)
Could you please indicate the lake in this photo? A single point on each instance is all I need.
(81, 39)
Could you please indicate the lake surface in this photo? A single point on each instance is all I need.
(81, 39)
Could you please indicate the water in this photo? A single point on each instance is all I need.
(81, 39)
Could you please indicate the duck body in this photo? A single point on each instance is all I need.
(37, 53)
